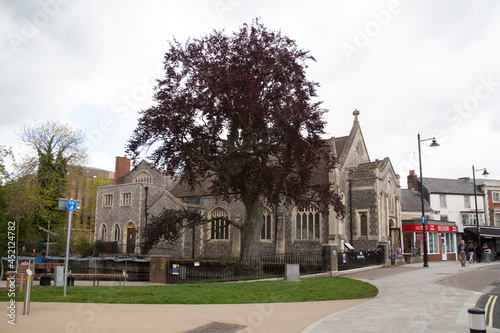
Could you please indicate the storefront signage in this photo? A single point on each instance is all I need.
(429, 228)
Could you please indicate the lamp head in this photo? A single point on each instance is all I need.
(485, 173)
(434, 143)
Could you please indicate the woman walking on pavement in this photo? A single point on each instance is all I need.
(462, 253)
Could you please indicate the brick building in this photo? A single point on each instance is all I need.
(369, 189)
(82, 183)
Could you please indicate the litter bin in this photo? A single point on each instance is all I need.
(487, 255)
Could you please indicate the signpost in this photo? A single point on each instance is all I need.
(71, 205)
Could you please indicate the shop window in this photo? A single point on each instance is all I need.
(451, 245)
(408, 242)
(432, 242)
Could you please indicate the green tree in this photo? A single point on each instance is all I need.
(54, 147)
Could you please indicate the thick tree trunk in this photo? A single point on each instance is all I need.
(250, 236)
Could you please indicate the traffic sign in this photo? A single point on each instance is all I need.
(423, 219)
(63, 204)
(71, 205)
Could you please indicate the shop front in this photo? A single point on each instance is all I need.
(490, 235)
(441, 240)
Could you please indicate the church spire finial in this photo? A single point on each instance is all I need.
(356, 114)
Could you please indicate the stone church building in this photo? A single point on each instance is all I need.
(369, 189)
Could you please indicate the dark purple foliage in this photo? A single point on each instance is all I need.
(168, 226)
(239, 108)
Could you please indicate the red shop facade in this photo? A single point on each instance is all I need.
(441, 240)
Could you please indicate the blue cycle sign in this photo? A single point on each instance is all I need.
(71, 205)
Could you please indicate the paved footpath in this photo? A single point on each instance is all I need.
(411, 299)
(415, 299)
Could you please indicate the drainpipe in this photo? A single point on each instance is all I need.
(146, 206)
(275, 227)
(350, 208)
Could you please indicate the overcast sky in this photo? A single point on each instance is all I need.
(409, 67)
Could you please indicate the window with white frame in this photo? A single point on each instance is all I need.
(108, 200)
(307, 223)
(219, 225)
(470, 219)
(497, 218)
(443, 217)
(495, 197)
(126, 199)
(265, 234)
(467, 201)
(442, 200)
(432, 243)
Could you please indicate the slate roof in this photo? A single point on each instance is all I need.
(411, 202)
(450, 186)
(340, 144)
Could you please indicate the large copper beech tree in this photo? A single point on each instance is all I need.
(238, 109)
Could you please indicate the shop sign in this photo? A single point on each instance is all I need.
(429, 228)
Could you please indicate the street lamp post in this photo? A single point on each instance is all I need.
(433, 144)
(485, 173)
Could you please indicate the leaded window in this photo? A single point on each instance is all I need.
(219, 225)
(308, 223)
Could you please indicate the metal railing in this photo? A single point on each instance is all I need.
(359, 258)
(234, 269)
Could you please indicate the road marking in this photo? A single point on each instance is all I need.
(490, 306)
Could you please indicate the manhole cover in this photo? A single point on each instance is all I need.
(216, 327)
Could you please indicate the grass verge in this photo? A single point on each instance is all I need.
(306, 290)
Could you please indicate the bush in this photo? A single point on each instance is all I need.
(87, 249)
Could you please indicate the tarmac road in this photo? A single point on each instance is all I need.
(490, 302)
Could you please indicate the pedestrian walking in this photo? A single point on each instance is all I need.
(479, 253)
(462, 253)
(471, 253)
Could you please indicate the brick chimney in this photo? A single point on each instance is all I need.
(412, 181)
(122, 167)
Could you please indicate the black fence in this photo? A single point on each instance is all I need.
(357, 259)
(116, 248)
(233, 269)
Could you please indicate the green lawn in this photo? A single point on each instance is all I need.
(306, 290)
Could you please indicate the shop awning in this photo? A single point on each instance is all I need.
(484, 231)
